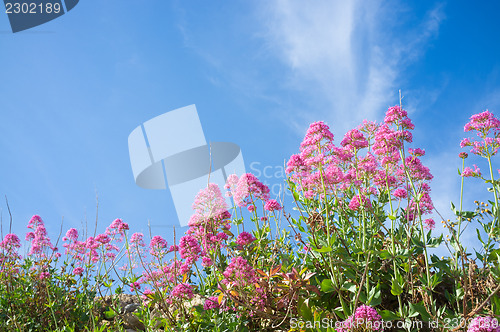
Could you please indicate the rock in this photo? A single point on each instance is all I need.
(131, 321)
(131, 307)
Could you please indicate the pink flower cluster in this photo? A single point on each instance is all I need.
(487, 127)
(209, 222)
(244, 239)
(323, 168)
(182, 291)
(211, 303)
(39, 239)
(246, 189)
(365, 318)
(189, 248)
(9, 247)
(95, 248)
(239, 273)
(469, 172)
(484, 324)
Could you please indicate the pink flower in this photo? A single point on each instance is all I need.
(248, 189)
(189, 248)
(71, 234)
(78, 271)
(239, 273)
(39, 239)
(231, 183)
(400, 193)
(357, 200)
(272, 205)
(117, 227)
(368, 317)
(209, 204)
(484, 324)
(182, 291)
(137, 239)
(468, 172)
(483, 122)
(463, 155)
(429, 223)
(244, 239)
(35, 221)
(157, 245)
(44, 275)
(354, 140)
(211, 303)
(488, 129)
(416, 152)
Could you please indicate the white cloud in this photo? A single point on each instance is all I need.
(345, 56)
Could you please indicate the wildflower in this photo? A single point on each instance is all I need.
(189, 248)
(416, 152)
(354, 140)
(135, 286)
(483, 123)
(368, 317)
(182, 291)
(400, 193)
(488, 129)
(347, 325)
(10, 245)
(239, 273)
(78, 271)
(206, 261)
(35, 221)
(244, 239)
(272, 205)
(44, 275)
(137, 239)
(430, 223)
(71, 234)
(231, 183)
(357, 200)
(208, 204)
(248, 189)
(463, 155)
(211, 303)
(103, 238)
(117, 227)
(484, 324)
(156, 245)
(39, 238)
(469, 172)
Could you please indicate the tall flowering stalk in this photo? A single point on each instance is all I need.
(487, 128)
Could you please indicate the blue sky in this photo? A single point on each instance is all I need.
(259, 72)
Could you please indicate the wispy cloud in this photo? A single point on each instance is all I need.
(346, 56)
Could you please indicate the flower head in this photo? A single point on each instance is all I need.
(484, 324)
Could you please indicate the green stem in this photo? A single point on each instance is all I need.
(495, 220)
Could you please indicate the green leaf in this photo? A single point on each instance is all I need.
(384, 254)
(388, 315)
(305, 310)
(324, 249)
(420, 309)
(349, 286)
(374, 296)
(327, 286)
(109, 314)
(396, 287)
